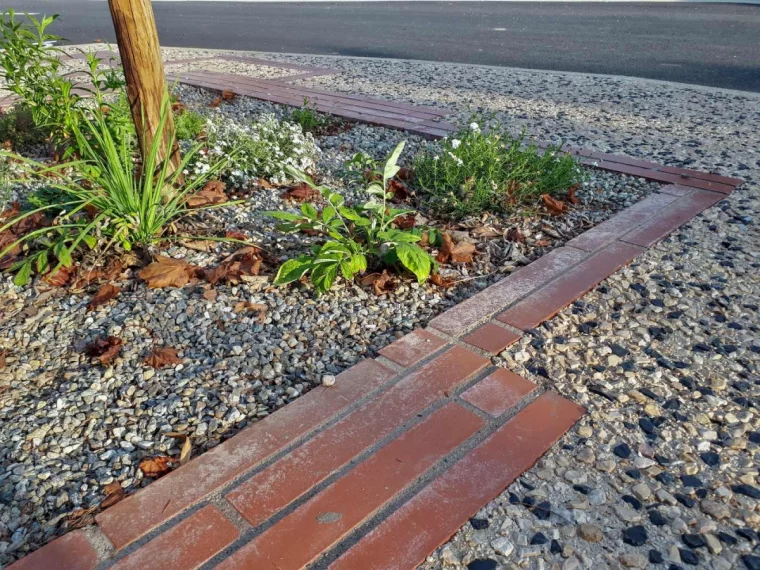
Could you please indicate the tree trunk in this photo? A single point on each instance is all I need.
(140, 52)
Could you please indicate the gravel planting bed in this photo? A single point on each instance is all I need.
(69, 427)
(239, 68)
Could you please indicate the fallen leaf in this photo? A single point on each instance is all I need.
(228, 95)
(216, 102)
(163, 357)
(301, 192)
(62, 276)
(12, 211)
(253, 307)
(187, 446)
(441, 281)
(212, 193)
(198, 244)
(235, 234)
(210, 294)
(555, 207)
(178, 108)
(571, 197)
(542, 242)
(515, 235)
(3, 358)
(405, 222)
(483, 231)
(459, 253)
(263, 183)
(104, 349)
(399, 190)
(81, 518)
(404, 174)
(244, 262)
(167, 272)
(381, 282)
(104, 294)
(156, 467)
(114, 493)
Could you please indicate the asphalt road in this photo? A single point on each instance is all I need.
(705, 44)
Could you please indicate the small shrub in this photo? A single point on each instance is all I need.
(477, 172)
(104, 198)
(188, 125)
(17, 128)
(265, 149)
(359, 237)
(360, 168)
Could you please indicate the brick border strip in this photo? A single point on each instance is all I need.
(388, 453)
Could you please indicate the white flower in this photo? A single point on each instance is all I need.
(455, 143)
(474, 127)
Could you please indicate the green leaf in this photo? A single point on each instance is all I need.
(391, 165)
(415, 259)
(353, 265)
(287, 216)
(323, 276)
(398, 236)
(24, 273)
(42, 262)
(328, 214)
(63, 254)
(309, 211)
(293, 270)
(336, 200)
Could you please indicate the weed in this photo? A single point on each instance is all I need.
(188, 125)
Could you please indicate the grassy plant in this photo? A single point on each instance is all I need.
(104, 199)
(360, 168)
(188, 125)
(359, 237)
(308, 117)
(477, 172)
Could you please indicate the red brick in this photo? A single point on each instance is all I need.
(185, 546)
(285, 480)
(491, 338)
(412, 348)
(406, 537)
(500, 295)
(72, 551)
(680, 212)
(134, 516)
(358, 494)
(676, 190)
(622, 222)
(660, 176)
(498, 392)
(727, 180)
(546, 302)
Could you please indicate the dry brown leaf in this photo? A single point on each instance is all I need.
(301, 192)
(104, 294)
(167, 272)
(555, 207)
(244, 262)
(399, 189)
(441, 281)
(236, 234)
(483, 231)
(114, 493)
(571, 197)
(212, 193)
(198, 244)
(178, 108)
(156, 467)
(62, 276)
(228, 95)
(81, 518)
(405, 222)
(210, 294)
(404, 174)
(263, 183)
(459, 253)
(381, 282)
(3, 358)
(104, 349)
(542, 242)
(515, 235)
(187, 446)
(163, 357)
(12, 211)
(216, 102)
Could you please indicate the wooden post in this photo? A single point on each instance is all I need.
(140, 52)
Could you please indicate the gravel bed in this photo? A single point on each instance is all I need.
(69, 428)
(239, 68)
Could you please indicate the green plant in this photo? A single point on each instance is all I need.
(359, 236)
(477, 171)
(308, 117)
(32, 69)
(188, 125)
(360, 169)
(17, 128)
(105, 197)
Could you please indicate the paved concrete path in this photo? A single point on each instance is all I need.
(705, 44)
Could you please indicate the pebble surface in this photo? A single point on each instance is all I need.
(664, 353)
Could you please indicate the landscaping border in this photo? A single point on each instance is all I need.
(383, 467)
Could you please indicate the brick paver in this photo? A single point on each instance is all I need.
(499, 392)
(73, 551)
(334, 512)
(492, 338)
(437, 512)
(412, 348)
